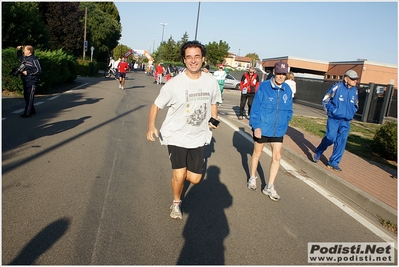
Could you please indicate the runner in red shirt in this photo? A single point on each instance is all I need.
(122, 68)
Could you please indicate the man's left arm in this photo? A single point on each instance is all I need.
(214, 116)
(37, 69)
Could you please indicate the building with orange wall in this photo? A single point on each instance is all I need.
(368, 72)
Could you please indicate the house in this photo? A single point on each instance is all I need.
(237, 62)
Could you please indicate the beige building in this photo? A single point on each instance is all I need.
(237, 62)
(368, 72)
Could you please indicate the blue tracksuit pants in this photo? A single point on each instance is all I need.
(337, 132)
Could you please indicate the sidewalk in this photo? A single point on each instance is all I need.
(372, 187)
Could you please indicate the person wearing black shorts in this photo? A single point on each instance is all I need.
(191, 98)
(271, 112)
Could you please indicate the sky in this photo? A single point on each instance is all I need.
(319, 31)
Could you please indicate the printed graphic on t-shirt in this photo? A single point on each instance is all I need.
(196, 114)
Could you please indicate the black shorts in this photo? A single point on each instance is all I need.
(267, 139)
(190, 158)
(122, 75)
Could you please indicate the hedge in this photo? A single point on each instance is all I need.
(58, 67)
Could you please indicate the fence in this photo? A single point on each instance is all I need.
(376, 101)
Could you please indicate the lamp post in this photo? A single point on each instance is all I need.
(153, 45)
(196, 27)
(163, 29)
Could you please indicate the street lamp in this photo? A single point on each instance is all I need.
(153, 45)
(196, 27)
(163, 29)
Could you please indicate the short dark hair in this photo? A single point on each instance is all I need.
(191, 44)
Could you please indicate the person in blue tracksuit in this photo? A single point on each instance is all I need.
(271, 112)
(341, 104)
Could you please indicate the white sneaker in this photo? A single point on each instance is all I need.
(271, 193)
(251, 183)
(123, 88)
(175, 211)
(120, 86)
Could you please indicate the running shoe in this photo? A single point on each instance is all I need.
(251, 183)
(335, 168)
(271, 193)
(316, 157)
(175, 211)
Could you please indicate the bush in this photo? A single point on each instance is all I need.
(385, 141)
(9, 60)
(87, 68)
(58, 67)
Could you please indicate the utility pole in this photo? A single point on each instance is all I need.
(84, 36)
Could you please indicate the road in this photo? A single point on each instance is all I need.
(82, 186)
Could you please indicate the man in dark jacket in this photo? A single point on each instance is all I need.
(30, 77)
(341, 104)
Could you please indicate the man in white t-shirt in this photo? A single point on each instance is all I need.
(192, 98)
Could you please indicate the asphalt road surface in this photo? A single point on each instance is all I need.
(81, 185)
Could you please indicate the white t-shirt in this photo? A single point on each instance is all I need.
(189, 101)
(292, 84)
(220, 75)
(116, 63)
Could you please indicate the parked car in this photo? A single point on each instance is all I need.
(231, 82)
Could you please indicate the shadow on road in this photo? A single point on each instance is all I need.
(245, 149)
(13, 165)
(307, 147)
(42, 242)
(33, 126)
(207, 224)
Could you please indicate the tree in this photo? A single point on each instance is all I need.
(64, 21)
(254, 58)
(171, 51)
(103, 29)
(217, 52)
(119, 51)
(22, 24)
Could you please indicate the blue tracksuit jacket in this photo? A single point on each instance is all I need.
(341, 104)
(271, 109)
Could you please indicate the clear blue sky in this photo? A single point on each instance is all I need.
(326, 31)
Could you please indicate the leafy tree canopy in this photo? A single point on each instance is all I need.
(22, 25)
(217, 52)
(64, 22)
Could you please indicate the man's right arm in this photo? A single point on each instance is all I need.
(19, 53)
(152, 117)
